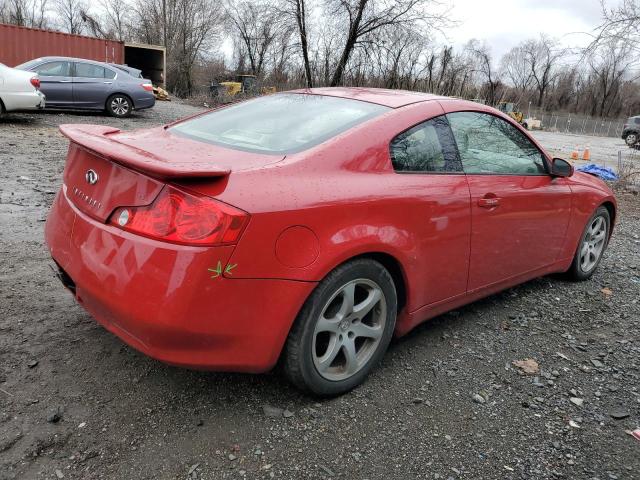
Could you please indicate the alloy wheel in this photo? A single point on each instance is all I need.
(631, 139)
(120, 106)
(349, 329)
(593, 244)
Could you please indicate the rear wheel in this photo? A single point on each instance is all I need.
(592, 245)
(119, 105)
(631, 139)
(2, 110)
(343, 330)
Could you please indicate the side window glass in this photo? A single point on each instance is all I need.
(489, 145)
(108, 73)
(54, 69)
(427, 147)
(637, 121)
(88, 70)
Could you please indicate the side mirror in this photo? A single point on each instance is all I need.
(561, 168)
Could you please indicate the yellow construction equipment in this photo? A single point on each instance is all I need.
(512, 110)
(242, 84)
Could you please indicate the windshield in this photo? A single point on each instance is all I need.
(283, 123)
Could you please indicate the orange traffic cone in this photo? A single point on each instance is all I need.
(574, 154)
(586, 155)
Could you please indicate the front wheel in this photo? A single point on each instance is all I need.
(343, 330)
(119, 105)
(592, 245)
(631, 139)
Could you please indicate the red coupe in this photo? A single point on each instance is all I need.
(307, 228)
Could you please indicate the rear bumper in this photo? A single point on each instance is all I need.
(23, 100)
(144, 101)
(160, 298)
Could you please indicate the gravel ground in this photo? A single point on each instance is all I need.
(447, 402)
(603, 150)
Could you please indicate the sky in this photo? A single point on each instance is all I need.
(505, 23)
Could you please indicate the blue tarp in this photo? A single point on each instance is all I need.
(599, 171)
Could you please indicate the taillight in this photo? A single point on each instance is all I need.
(35, 81)
(180, 217)
(147, 86)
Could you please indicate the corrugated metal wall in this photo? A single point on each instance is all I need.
(20, 44)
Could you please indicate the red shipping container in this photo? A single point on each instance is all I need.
(21, 44)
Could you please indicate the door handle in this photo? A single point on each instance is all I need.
(108, 83)
(65, 81)
(489, 201)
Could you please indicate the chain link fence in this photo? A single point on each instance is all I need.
(578, 124)
(628, 167)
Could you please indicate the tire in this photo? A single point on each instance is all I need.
(589, 252)
(631, 139)
(332, 356)
(119, 105)
(2, 109)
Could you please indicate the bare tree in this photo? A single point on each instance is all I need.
(364, 17)
(70, 15)
(117, 18)
(25, 13)
(515, 68)
(620, 23)
(482, 55)
(257, 25)
(297, 11)
(542, 57)
(187, 28)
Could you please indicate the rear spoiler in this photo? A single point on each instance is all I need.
(97, 139)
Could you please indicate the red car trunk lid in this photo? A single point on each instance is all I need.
(98, 186)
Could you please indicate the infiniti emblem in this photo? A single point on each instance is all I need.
(91, 176)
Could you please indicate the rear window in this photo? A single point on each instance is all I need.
(283, 123)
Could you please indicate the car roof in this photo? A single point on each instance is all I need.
(381, 96)
(70, 59)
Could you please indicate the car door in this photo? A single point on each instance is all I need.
(429, 172)
(91, 85)
(519, 212)
(55, 82)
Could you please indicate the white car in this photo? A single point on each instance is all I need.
(19, 90)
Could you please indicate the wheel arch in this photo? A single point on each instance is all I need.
(611, 208)
(393, 266)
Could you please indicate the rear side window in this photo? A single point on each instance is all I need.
(490, 145)
(283, 123)
(54, 69)
(108, 73)
(636, 120)
(88, 70)
(427, 147)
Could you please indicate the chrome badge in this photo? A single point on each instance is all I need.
(91, 176)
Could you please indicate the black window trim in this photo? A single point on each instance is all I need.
(421, 172)
(544, 156)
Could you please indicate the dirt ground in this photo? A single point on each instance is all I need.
(447, 402)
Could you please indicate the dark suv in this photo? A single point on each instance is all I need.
(631, 131)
